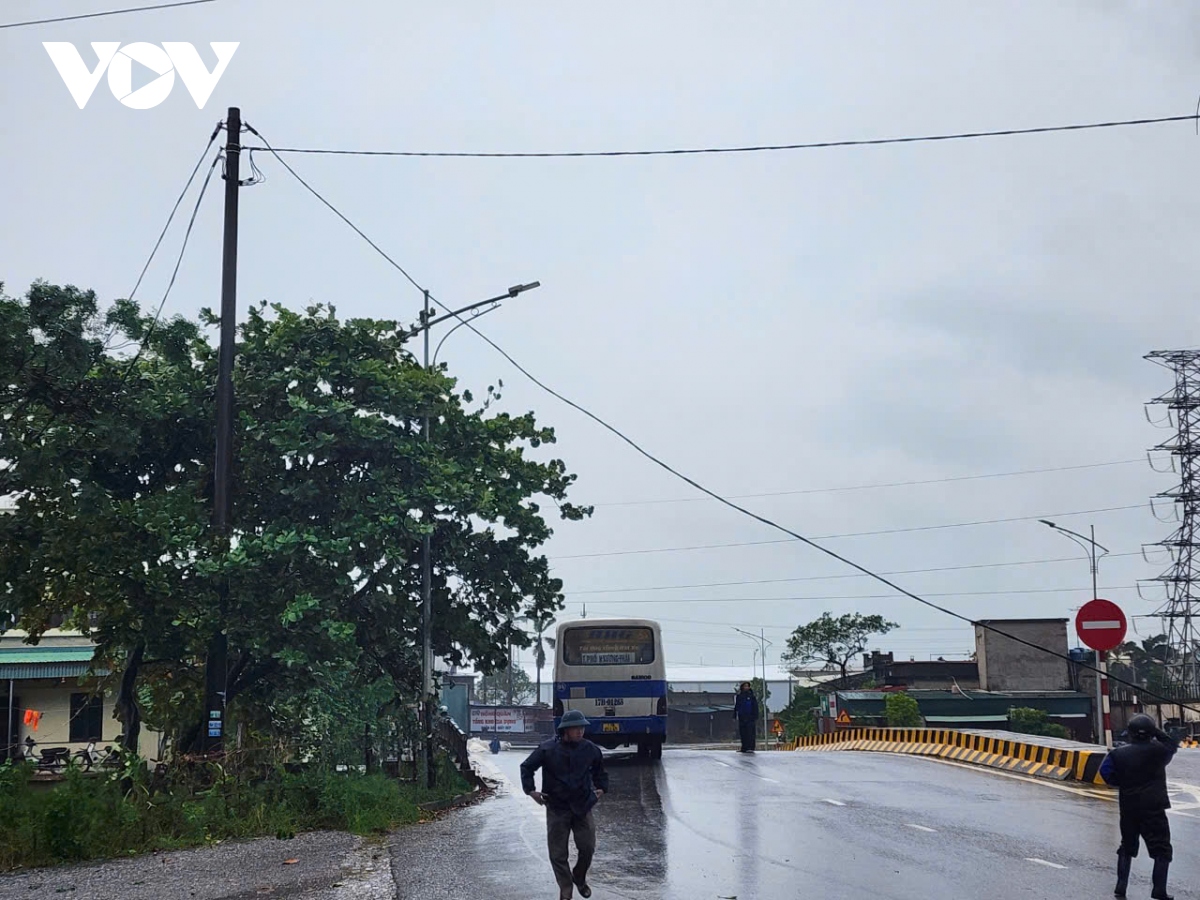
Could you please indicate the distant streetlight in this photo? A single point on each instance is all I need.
(1090, 547)
(428, 320)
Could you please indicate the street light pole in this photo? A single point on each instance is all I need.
(426, 706)
(1103, 711)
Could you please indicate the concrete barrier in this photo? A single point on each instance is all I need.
(1027, 754)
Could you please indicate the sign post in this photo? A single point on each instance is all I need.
(1102, 626)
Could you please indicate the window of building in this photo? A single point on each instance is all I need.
(87, 718)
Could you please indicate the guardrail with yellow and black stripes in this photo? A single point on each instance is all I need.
(1045, 758)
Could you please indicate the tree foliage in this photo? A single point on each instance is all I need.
(109, 457)
(540, 624)
(835, 641)
(1146, 664)
(798, 717)
(1035, 721)
(495, 689)
(902, 711)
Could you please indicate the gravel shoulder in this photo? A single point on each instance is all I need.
(228, 871)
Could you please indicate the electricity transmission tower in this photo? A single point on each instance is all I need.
(1181, 609)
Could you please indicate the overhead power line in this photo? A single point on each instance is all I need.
(827, 537)
(871, 487)
(750, 148)
(53, 417)
(682, 587)
(810, 542)
(823, 597)
(178, 260)
(777, 627)
(104, 13)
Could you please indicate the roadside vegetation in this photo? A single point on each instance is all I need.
(89, 817)
(1036, 722)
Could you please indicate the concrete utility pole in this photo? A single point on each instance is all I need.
(216, 667)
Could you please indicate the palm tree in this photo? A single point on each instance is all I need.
(541, 623)
(1148, 660)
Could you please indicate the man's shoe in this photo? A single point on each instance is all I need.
(584, 890)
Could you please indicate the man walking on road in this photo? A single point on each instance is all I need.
(573, 781)
(1139, 770)
(745, 710)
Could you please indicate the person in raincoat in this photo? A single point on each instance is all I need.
(573, 781)
(745, 710)
(1139, 771)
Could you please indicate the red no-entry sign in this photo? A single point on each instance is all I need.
(1101, 625)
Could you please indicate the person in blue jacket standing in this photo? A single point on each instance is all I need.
(1139, 771)
(573, 781)
(745, 710)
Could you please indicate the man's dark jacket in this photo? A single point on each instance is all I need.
(745, 707)
(571, 773)
(1139, 770)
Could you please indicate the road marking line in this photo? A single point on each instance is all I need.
(833, 802)
(921, 828)
(1042, 862)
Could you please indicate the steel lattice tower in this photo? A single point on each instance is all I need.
(1181, 581)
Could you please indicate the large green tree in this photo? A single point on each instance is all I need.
(109, 456)
(835, 641)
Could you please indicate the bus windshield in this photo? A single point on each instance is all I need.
(608, 646)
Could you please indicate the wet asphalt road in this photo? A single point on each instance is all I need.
(706, 825)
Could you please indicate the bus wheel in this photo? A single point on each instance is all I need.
(643, 750)
(656, 750)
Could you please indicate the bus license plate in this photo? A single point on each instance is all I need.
(612, 726)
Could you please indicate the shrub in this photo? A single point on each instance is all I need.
(94, 816)
(1035, 721)
(902, 711)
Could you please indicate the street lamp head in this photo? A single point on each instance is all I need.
(522, 288)
(1047, 522)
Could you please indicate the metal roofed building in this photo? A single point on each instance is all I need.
(962, 709)
(56, 679)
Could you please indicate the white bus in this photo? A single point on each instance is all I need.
(613, 671)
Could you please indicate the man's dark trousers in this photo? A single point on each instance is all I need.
(1150, 826)
(560, 825)
(746, 728)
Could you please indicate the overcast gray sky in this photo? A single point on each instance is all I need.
(765, 322)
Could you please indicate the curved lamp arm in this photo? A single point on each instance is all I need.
(475, 315)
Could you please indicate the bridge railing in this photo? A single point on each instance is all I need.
(451, 739)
